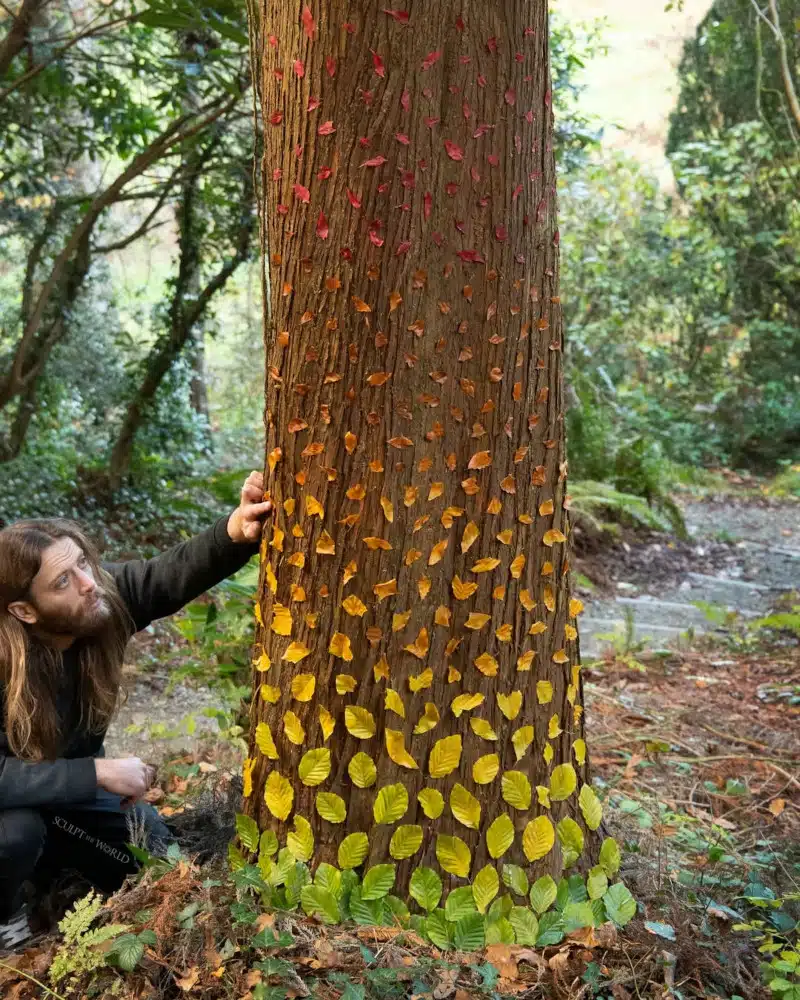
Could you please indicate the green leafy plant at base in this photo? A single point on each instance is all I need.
(80, 952)
(778, 939)
(596, 504)
(469, 918)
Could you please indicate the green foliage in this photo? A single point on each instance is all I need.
(778, 940)
(80, 952)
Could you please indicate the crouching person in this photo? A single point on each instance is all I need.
(65, 621)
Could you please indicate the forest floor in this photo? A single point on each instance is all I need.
(695, 750)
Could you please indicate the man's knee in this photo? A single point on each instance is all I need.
(22, 835)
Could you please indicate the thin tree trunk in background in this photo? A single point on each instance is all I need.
(17, 37)
(415, 581)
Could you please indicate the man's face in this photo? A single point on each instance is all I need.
(64, 599)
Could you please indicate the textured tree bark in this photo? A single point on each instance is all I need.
(415, 440)
(17, 36)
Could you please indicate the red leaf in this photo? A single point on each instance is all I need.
(322, 227)
(401, 16)
(403, 247)
(298, 151)
(273, 41)
(377, 62)
(276, 118)
(366, 96)
(481, 80)
(460, 23)
(460, 226)
(278, 74)
(427, 204)
(402, 138)
(491, 44)
(283, 209)
(407, 179)
(451, 188)
(519, 57)
(494, 159)
(467, 110)
(405, 100)
(376, 161)
(430, 122)
(355, 201)
(427, 92)
(308, 22)
(375, 239)
(481, 130)
(327, 128)
(324, 173)
(431, 58)
(346, 253)
(349, 28)
(277, 173)
(470, 256)
(313, 103)
(501, 233)
(510, 96)
(473, 172)
(299, 68)
(527, 32)
(453, 151)
(301, 193)
(548, 97)
(517, 192)
(437, 238)
(384, 187)
(330, 66)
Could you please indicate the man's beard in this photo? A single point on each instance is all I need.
(88, 620)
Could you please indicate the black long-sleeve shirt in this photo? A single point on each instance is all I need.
(151, 589)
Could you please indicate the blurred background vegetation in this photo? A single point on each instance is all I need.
(131, 366)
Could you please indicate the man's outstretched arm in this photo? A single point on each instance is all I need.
(154, 588)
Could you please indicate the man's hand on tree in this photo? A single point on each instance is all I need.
(128, 777)
(244, 524)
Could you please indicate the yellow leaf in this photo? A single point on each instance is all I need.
(314, 766)
(437, 552)
(544, 692)
(394, 703)
(517, 789)
(549, 598)
(331, 807)
(297, 559)
(560, 656)
(517, 567)
(453, 855)
(270, 693)
(420, 646)
(435, 491)
(303, 686)
(510, 704)
(388, 509)
(373, 544)
(428, 719)
(522, 740)
(554, 728)
(504, 537)
(453, 675)
(524, 662)
(461, 591)
(432, 802)
(314, 507)
(247, 777)
(563, 782)
(277, 539)
(526, 600)
(423, 587)
(543, 796)
(345, 683)
(396, 748)
(485, 565)
(485, 769)
(579, 749)
(476, 620)
(359, 722)
(485, 887)
(340, 646)
(354, 606)
(279, 795)
(538, 838)
(353, 850)
(381, 669)
(465, 807)
(445, 756)
(418, 682)
(325, 545)
(265, 742)
(410, 496)
(575, 607)
(465, 703)
(327, 723)
(281, 620)
(298, 593)
(406, 841)
(470, 536)
(503, 633)
(537, 628)
(257, 612)
(552, 536)
(350, 571)
(548, 753)
(263, 663)
(272, 583)
(391, 804)
(500, 836)
(482, 728)
(411, 556)
(293, 729)
(300, 841)
(494, 506)
(590, 807)
(362, 770)
(384, 590)
(487, 664)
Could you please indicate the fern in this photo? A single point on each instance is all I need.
(80, 952)
(591, 501)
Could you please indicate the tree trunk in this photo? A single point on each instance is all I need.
(17, 37)
(415, 588)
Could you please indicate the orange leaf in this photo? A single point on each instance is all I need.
(461, 590)
(395, 298)
(400, 442)
(470, 535)
(384, 590)
(480, 460)
(377, 543)
(361, 305)
(437, 552)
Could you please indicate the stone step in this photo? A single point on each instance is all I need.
(656, 636)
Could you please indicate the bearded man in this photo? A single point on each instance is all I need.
(65, 621)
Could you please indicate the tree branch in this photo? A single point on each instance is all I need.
(17, 37)
(786, 72)
(145, 226)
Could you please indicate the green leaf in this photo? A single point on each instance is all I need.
(395, 911)
(236, 859)
(515, 879)
(620, 904)
(470, 932)
(438, 930)
(127, 950)
(247, 828)
(485, 887)
(425, 887)
(365, 911)
(460, 903)
(268, 845)
(666, 931)
(543, 893)
(576, 916)
(597, 883)
(525, 924)
(610, 857)
(500, 908)
(329, 878)
(570, 836)
(499, 932)
(378, 881)
(315, 899)
(551, 929)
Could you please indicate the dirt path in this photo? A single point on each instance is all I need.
(742, 555)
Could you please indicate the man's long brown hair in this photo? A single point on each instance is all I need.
(30, 671)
